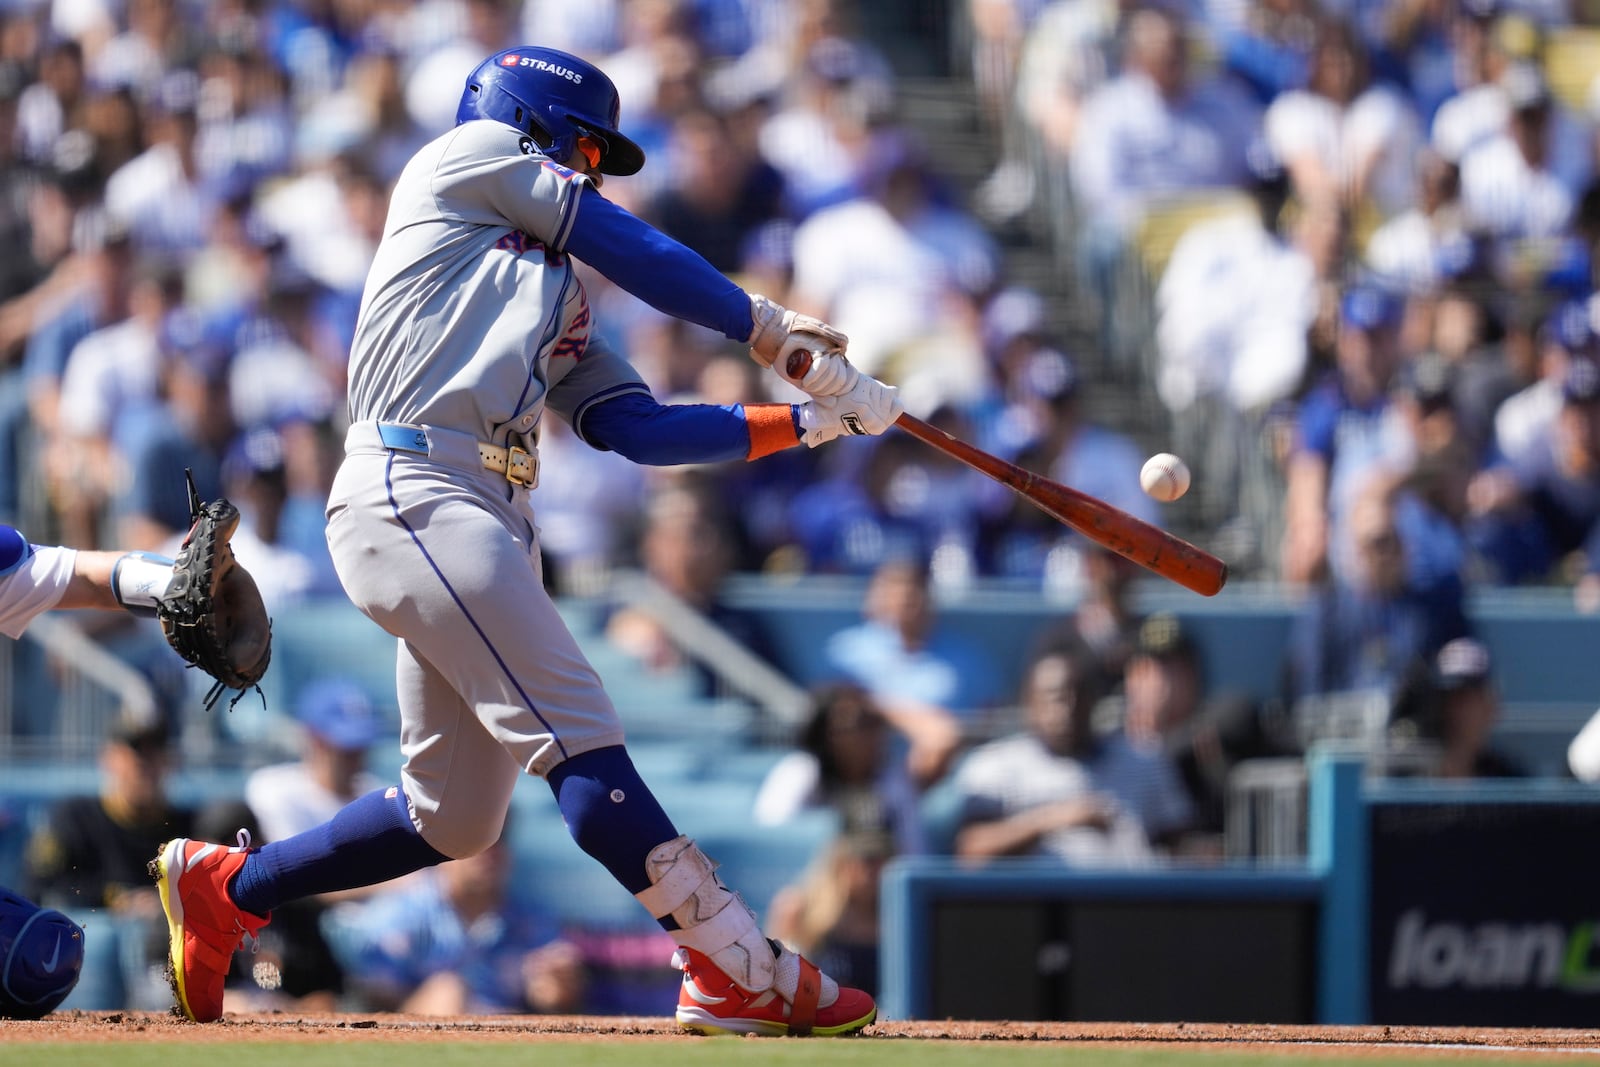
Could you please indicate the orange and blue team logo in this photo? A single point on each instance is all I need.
(576, 338)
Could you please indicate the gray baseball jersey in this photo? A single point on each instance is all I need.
(472, 318)
(472, 323)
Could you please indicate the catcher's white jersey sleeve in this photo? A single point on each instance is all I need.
(473, 318)
(32, 580)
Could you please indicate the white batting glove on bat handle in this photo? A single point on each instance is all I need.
(870, 407)
(778, 332)
(830, 375)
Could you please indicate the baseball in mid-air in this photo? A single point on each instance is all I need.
(1165, 477)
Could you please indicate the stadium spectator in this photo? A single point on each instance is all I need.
(1377, 628)
(1168, 706)
(1342, 428)
(1522, 421)
(1345, 138)
(162, 195)
(1045, 426)
(832, 107)
(832, 913)
(686, 548)
(902, 655)
(109, 377)
(54, 101)
(1055, 789)
(1537, 512)
(1234, 290)
(1235, 310)
(1497, 58)
(1153, 129)
(1105, 620)
(452, 941)
(846, 761)
(452, 39)
(275, 376)
(1508, 185)
(1069, 52)
(1429, 469)
(254, 476)
(1414, 248)
(890, 498)
(188, 430)
(89, 860)
(586, 500)
(1476, 347)
(338, 725)
(721, 190)
(887, 266)
(1456, 708)
(1150, 132)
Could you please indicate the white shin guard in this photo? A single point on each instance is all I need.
(712, 919)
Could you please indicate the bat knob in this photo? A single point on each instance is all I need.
(799, 364)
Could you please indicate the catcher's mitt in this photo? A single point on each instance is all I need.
(212, 612)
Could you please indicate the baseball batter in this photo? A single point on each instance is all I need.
(474, 328)
(41, 950)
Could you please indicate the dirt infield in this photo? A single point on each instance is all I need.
(1347, 1040)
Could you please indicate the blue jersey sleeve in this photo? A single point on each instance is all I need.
(644, 430)
(668, 276)
(14, 548)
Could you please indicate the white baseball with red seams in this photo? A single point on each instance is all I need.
(1164, 477)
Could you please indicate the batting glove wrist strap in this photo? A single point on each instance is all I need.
(870, 407)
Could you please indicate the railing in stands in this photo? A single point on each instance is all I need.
(89, 686)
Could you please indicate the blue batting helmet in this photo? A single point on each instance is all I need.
(41, 954)
(553, 97)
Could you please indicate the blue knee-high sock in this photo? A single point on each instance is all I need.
(371, 840)
(612, 814)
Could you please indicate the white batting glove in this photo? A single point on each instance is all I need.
(870, 407)
(830, 375)
(779, 332)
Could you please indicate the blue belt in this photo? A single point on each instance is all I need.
(519, 465)
(404, 438)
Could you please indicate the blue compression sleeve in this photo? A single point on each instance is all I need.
(668, 276)
(644, 430)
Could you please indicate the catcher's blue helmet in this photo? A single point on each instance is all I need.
(552, 96)
(41, 955)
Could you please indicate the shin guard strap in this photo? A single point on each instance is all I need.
(733, 924)
(677, 869)
(803, 1011)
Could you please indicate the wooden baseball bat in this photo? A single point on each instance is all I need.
(1149, 546)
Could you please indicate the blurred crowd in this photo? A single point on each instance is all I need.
(1347, 246)
(1367, 233)
(1348, 249)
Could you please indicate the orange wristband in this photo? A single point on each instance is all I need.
(771, 429)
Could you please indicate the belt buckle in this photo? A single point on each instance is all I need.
(529, 461)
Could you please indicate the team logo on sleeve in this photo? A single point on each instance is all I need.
(576, 338)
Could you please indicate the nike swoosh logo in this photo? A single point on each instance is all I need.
(55, 957)
(698, 995)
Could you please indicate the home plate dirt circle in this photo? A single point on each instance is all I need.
(1376, 1041)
